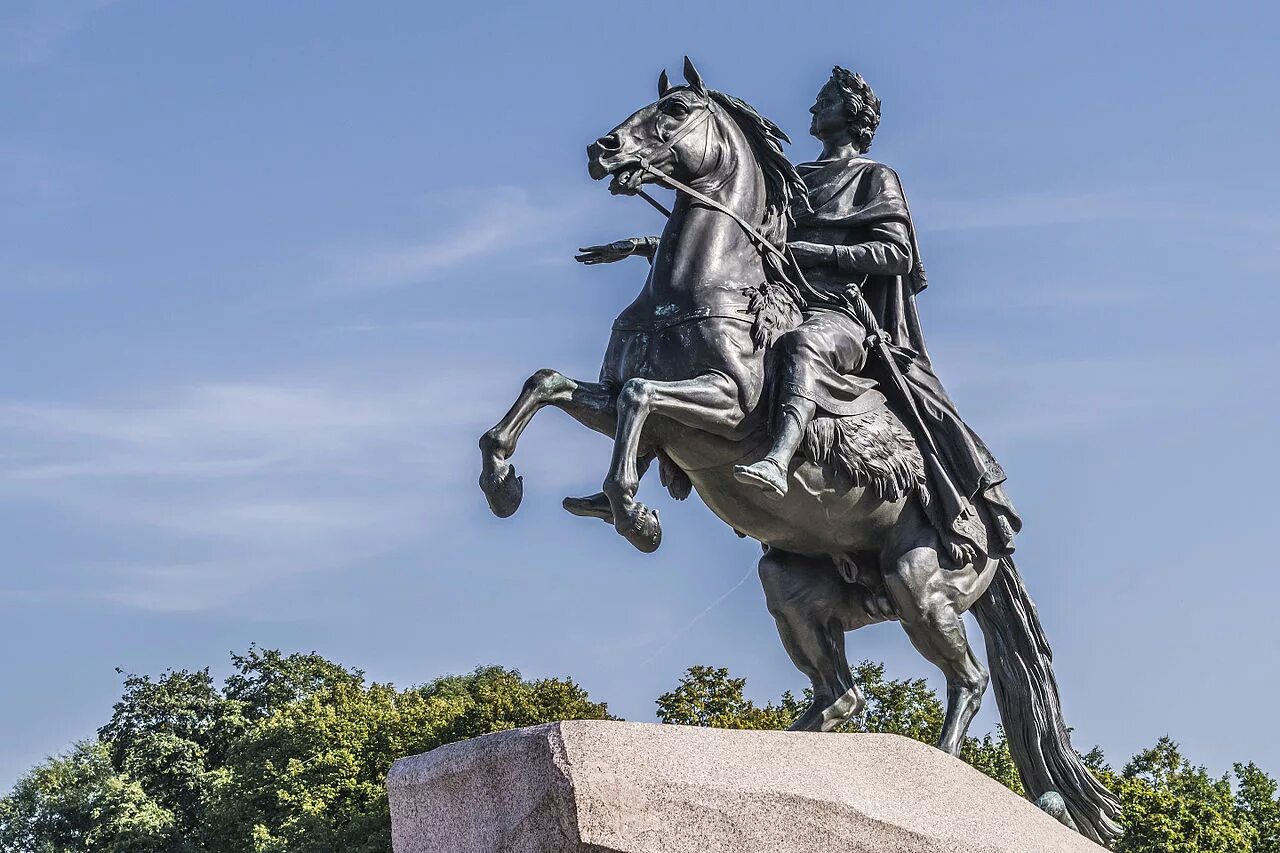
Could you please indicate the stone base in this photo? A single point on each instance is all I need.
(612, 787)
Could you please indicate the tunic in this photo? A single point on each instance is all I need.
(858, 207)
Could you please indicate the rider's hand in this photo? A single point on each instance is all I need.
(810, 254)
(608, 253)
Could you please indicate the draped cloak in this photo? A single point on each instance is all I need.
(849, 197)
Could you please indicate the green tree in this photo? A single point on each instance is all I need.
(289, 754)
(309, 776)
(265, 680)
(898, 707)
(707, 696)
(77, 802)
(1256, 800)
(168, 736)
(1172, 806)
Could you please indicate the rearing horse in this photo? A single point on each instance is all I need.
(684, 381)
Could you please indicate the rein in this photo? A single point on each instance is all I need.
(746, 226)
(854, 304)
(784, 255)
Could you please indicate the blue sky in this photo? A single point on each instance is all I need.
(268, 269)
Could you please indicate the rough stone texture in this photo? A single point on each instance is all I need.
(612, 787)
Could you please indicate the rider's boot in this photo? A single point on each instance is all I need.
(770, 473)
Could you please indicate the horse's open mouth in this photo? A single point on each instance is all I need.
(626, 180)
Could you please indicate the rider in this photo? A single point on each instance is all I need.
(823, 359)
(859, 233)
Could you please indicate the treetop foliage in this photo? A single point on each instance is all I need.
(290, 753)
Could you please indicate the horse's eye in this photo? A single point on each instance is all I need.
(676, 109)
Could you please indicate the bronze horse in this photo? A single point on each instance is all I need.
(684, 381)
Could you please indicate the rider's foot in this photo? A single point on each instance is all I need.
(766, 475)
(592, 506)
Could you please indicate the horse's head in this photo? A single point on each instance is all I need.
(678, 135)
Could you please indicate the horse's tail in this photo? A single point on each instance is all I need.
(1027, 693)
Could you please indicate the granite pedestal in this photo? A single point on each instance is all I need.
(614, 787)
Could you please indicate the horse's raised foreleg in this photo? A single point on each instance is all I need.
(930, 607)
(590, 403)
(709, 403)
(814, 607)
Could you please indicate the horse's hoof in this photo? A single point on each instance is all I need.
(839, 711)
(503, 489)
(594, 506)
(825, 718)
(644, 530)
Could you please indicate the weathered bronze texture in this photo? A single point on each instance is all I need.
(774, 363)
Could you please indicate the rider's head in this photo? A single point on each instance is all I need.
(846, 106)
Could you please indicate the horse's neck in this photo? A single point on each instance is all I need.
(704, 248)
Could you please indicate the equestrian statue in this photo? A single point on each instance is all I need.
(774, 363)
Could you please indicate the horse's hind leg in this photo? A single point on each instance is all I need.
(590, 403)
(814, 607)
(931, 613)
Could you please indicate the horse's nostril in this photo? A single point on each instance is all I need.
(610, 142)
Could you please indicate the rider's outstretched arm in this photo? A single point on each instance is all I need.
(608, 253)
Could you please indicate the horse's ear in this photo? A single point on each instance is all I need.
(664, 85)
(693, 78)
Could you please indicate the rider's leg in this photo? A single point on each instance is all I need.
(930, 614)
(770, 473)
(814, 607)
(709, 403)
(824, 346)
(590, 403)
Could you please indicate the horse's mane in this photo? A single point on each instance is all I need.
(783, 186)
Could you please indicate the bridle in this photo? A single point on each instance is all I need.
(762, 243)
(705, 110)
(793, 277)
(789, 268)
(692, 122)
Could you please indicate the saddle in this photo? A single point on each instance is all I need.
(870, 448)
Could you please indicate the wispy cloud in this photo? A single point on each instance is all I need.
(483, 222)
(206, 430)
(218, 489)
(205, 493)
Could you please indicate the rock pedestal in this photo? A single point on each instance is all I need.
(612, 787)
